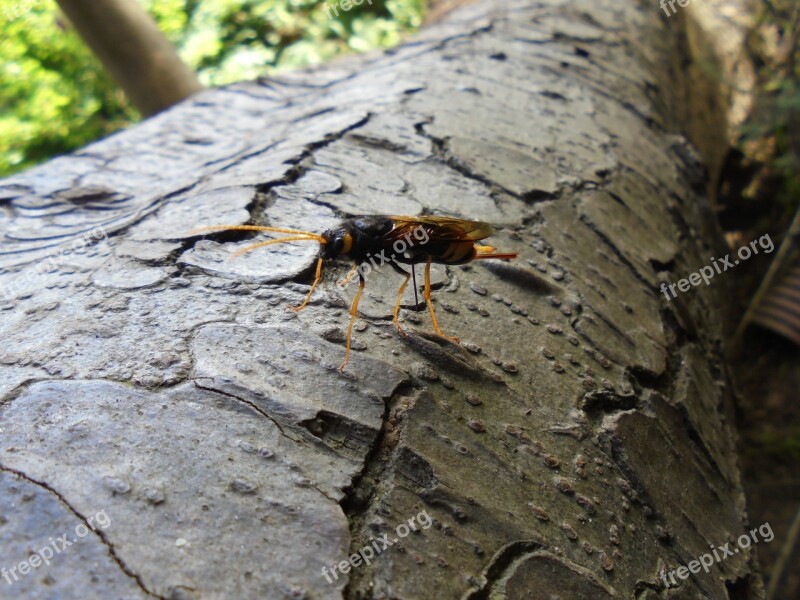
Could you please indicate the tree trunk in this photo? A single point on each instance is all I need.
(576, 444)
(134, 51)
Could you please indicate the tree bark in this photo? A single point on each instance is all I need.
(576, 444)
(134, 52)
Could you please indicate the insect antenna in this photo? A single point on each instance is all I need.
(298, 232)
(257, 245)
(297, 235)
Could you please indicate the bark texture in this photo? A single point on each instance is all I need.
(576, 445)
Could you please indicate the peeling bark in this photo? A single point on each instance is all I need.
(577, 444)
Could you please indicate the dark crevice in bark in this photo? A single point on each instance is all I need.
(440, 150)
(298, 170)
(19, 389)
(235, 159)
(642, 379)
(617, 252)
(264, 414)
(742, 588)
(607, 402)
(500, 563)
(360, 496)
(263, 197)
(659, 266)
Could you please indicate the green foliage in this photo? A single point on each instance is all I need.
(776, 118)
(55, 96)
(784, 445)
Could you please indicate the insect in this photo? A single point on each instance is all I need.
(396, 240)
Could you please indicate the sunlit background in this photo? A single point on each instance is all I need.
(55, 96)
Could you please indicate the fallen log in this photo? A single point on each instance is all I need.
(577, 443)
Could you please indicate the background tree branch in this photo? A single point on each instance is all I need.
(134, 51)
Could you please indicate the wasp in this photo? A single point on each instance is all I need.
(397, 240)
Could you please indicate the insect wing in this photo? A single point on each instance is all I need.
(441, 228)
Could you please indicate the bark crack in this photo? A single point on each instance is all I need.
(501, 562)
(441, 151)
(378, 462)
(252, 405)
(266, 415)
(100, 534)
(617, 252)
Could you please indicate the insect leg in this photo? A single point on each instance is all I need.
(500, 255)
(402, 289)
(396, 266)
(317, 277)
(427, 295)
(414, 278)
(353, 313)
(348, 278)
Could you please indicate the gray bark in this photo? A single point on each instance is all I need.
(576, 445)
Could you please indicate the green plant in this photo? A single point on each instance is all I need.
(775, 124)
(55, 96)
